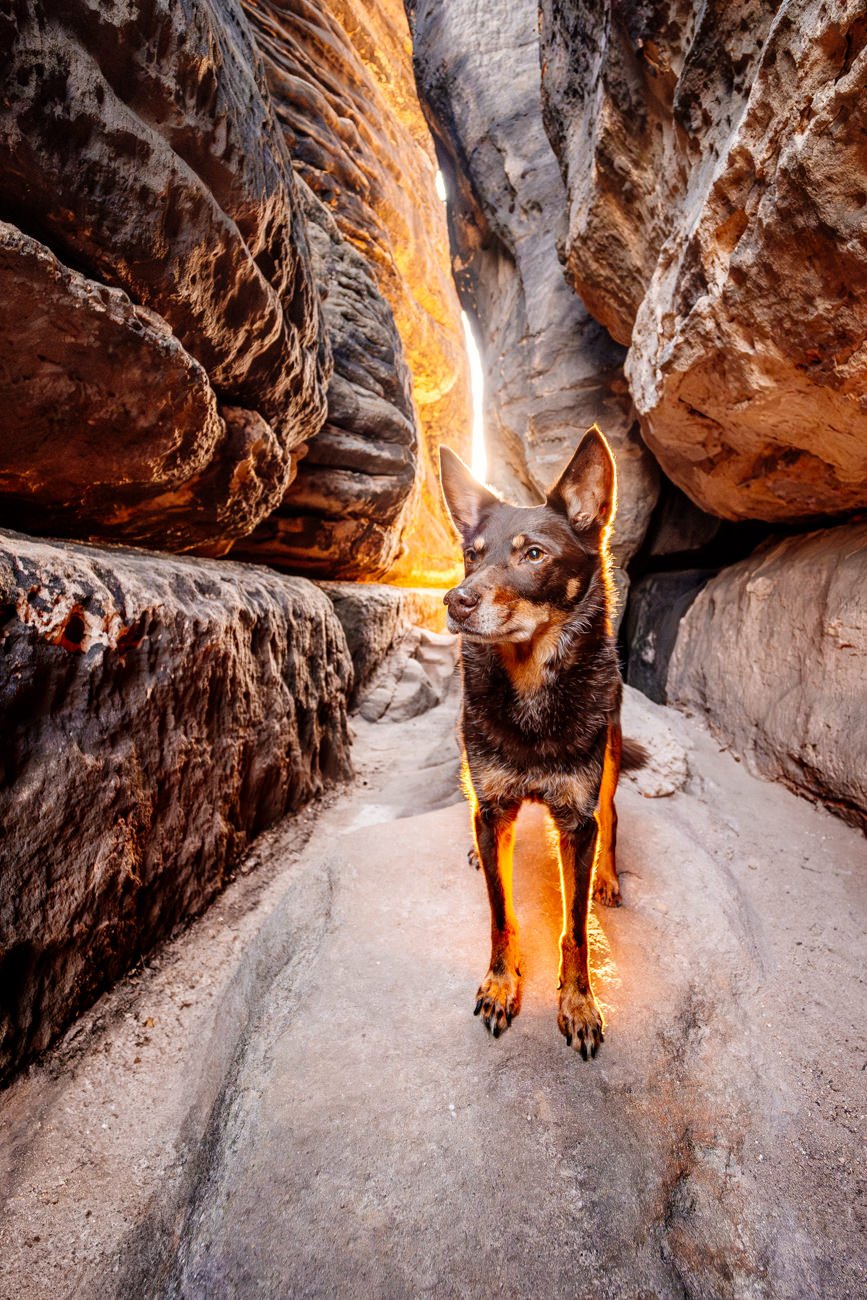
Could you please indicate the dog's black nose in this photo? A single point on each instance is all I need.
(461, 602)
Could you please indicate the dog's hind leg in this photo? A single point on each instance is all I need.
(579, 1018)
(499, 995)
(606, 886)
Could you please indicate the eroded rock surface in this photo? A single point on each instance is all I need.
(375, 616)
(158, 713)
(345, 514)
(550, 368)
(713, 158)
(340, 76)
(161, 351)
(772, 652)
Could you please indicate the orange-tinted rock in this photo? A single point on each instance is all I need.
(715, 168)
(345, 513)
(152, 195)
(340, 75)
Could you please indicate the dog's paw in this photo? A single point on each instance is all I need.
(498, 1000)
(580, 1021)
(473, 858)
(606, 890)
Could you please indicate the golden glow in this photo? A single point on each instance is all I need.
(479, 462)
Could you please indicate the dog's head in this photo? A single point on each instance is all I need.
(527, 568)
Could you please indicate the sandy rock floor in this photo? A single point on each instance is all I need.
(294, 1099)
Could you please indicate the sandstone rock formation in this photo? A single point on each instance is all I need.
(714, 164)
(340, 76)
(375, 616)
(550, 369)
(346, 512)
(773, 652)
(657, 603)
(158, 713)
(161, 353)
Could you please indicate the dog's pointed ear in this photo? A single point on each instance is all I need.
(586, 491)
(465, 497)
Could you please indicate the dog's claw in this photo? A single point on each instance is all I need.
(499, 999)
(580, 1021)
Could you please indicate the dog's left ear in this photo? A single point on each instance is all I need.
(586, 491)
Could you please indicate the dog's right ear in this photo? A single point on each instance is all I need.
(465, 497)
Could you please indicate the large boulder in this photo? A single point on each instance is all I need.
(550, 369)
(161, 347)
(340, 76)
(714, 165)
(774, 650)
(158, 713)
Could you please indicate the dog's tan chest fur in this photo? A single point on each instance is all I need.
(527, 662)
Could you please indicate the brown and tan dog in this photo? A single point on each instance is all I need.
(541, 707)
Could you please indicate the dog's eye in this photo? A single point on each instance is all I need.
(470, 555)
(534, 554)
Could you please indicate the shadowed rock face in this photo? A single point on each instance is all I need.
(714, 164)
(158, 713)
(550, 369)
(161, 354)
(345, 514)
(340, 77)
(773, 652)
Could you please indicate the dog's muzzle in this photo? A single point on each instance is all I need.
(461, 602)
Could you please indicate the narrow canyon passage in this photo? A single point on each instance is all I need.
(293, 1098)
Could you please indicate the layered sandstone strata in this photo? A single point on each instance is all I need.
(714, 164)
(341, 80)
(158, 713)
(161, 351)
(346, 513)
(773, 652)
(550, 369)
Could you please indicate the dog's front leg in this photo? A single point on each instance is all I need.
(579, 1017)
(498, 999)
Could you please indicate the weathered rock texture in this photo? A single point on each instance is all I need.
(550, 369)
(773, 651)
(717, 182)
(657, 603)
(161, 355)
(346, 511)
(375, 616)
(340, 76)
(157, 714)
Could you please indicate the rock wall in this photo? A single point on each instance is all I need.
(162, 357)
(340, 76)
(550, 368)
(773, 652)
(156, 231)
(347, 511)
(715, 172)
(158, 713)
(199, 351)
